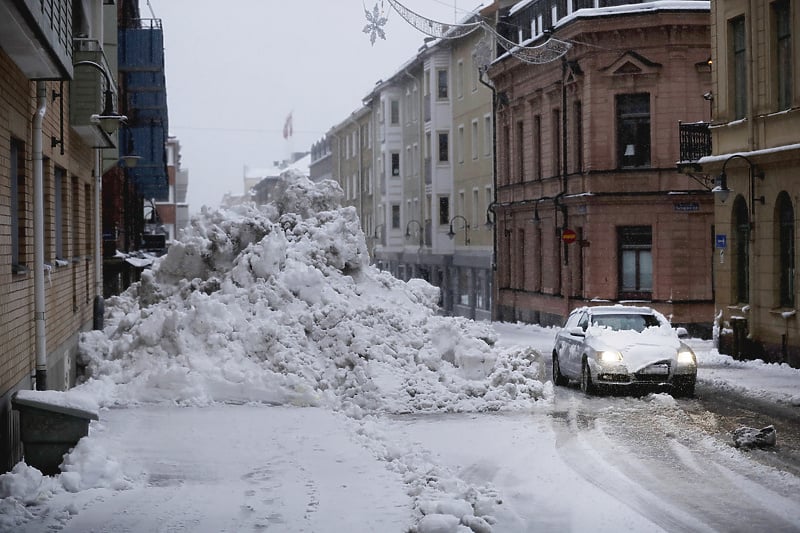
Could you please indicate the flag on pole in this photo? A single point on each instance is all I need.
(287, 127)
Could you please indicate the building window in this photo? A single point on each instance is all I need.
(395, 216)
(520, 151)
(441, 83)
(738, 72)
(87, 237)
(474, 73)
(444, 148)
(741, 224)
(578, 137)
(635, 261)
(633, 130)
(783, 53)
(460, 79)
(17, 201)
(557, 140)
(59, 222)
(75, 206)
(537, 147)
(395, 112)
(474, 139)
(488, 131)
(444, 210)
(395, 163)
(460, 145)
(786, 250)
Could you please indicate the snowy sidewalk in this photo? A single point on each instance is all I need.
(777, 383)
(212, 469)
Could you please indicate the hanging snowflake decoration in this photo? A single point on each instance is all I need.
(375, 23)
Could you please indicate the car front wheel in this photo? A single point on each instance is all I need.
(684, 388)
(586, 380)
(558, 378)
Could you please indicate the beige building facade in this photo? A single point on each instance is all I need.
(756, 147)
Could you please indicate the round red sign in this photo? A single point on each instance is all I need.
(568, 235)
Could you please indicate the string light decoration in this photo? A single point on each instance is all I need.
(375, 23)
(549, 51)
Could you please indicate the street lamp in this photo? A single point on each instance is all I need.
(419, 230)
(108, 119)
(490, 220)
(452, 233)
(723, 191)
(375, 233)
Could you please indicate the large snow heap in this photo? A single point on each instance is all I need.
(279, 304)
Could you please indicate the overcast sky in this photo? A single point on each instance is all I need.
(235, 71)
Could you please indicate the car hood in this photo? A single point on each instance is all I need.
(638, 349)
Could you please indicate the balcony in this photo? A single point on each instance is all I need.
(36, 35)
(695, 142)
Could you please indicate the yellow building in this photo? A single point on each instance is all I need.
(755, 162)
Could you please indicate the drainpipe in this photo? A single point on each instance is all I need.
(38, 238)
(493, 304)
(99, 303)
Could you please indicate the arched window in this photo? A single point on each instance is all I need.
(741, 224)
(785, 234)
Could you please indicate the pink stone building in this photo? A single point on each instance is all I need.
(587, 147)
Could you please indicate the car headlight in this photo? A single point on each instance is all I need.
(686, 357)
(610, 356)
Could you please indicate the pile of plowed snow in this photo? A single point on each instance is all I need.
(279, 304)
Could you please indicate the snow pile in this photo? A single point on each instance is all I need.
(278, 304)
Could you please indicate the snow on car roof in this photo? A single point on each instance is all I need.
(615, 309)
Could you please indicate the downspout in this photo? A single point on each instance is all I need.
(38, 238)
(99, 304)
(494, 186)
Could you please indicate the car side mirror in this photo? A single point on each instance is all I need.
(577, 332)
(682, 333)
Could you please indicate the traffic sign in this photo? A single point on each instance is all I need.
(568, 235)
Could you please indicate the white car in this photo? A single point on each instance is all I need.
(623, 346)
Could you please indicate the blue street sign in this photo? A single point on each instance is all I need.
(722, 240)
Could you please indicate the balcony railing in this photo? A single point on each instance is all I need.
(36, 35)
(695, 142)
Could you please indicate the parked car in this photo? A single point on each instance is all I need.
(623, 346)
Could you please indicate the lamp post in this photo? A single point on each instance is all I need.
(465, 226)
(419, 230)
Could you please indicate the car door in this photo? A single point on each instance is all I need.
(570, 344)
(576, 345)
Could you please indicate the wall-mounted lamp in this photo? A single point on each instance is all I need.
(378, 228)
(129, 161)
(419, 230)
(491, 216)
(452, 232)
(722, 182)
(108, 119)
(721, 189)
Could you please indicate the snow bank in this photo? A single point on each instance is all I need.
(279, 304)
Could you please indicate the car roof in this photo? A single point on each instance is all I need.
(616, 309)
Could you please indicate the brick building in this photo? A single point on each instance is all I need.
(49, 267)
(590, 206)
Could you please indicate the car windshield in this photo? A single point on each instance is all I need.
(619, 322)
